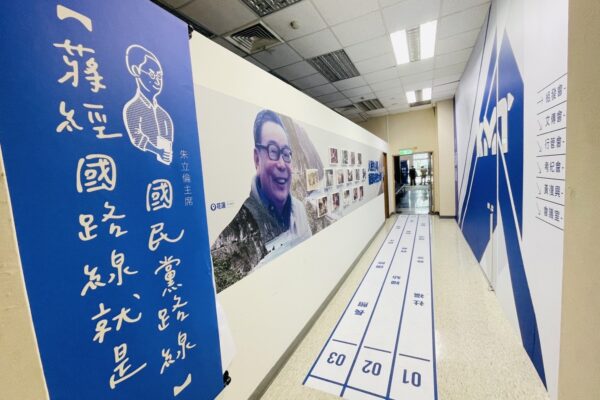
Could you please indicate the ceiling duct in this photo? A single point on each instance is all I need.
(369, 105)
(335, 66)
(266, 7)
(254, 38)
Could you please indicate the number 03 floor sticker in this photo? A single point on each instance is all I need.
(383, 346)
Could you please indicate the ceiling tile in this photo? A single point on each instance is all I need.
(310, 81)
(362, 97)
(415, 67)
(371, 48)
(440, 80)
(219, 16)
(337, 11)
(257, 63)
(387, 3)
(351, 83)
(376, 63)
(470, 19)
(321, 90)
(457, 42)
(410, 13)
(315, 44)
(453, 6)
(385, 85)
(446, 87)
(423, 76)
(382, 75)
(449, 70)
(278, 56)
(460, 56)
(360, 29)
(359, 91)
(338, 103)
(230, 47)
(304, 13)
(295, 71)
(335, 96)
(418, 85)
(377, 113)
(398, 94)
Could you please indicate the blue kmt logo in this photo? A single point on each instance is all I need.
(495, 185)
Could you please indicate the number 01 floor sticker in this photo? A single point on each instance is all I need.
(383, 345)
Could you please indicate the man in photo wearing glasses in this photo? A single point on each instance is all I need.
(271, 220)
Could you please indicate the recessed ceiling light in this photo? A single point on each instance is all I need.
(419, 96)
(428, 31)
(400, 46)
(414, 44)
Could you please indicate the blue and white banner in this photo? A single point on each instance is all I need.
(99, 139)
(511, 146)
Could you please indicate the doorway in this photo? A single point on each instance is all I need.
(414, 182)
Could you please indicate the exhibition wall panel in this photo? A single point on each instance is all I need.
(511, 145)
(271, 306)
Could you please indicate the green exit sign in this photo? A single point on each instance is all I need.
(405, 152)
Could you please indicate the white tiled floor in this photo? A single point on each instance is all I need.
(479, 354)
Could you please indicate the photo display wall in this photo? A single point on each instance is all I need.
(99, 143)
(511, 142)
(272, 182)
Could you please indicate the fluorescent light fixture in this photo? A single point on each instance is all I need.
(411, 97)
(400, 46)
(428, 39)
(427, 94)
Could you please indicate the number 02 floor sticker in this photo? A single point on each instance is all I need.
(383, 346)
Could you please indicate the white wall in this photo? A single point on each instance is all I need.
(268, 309)
(445, 172)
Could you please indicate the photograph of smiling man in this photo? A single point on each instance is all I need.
(271, 216)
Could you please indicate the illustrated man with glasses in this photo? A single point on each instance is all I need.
(271, 218)
(149, 126)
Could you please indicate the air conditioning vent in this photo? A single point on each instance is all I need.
(413, 37)
(254, 38)
(420, 103)
(266, 7)
(369, 105)
(335, 66)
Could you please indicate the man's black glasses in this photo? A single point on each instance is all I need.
(274, 152)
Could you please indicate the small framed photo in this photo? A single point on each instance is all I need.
(322, 206)
(333, 156)
(329, 177)
(357, 174)
(349, 175)
(354, 194)
(346, 197)
(359, 158)
(335, 201)
(340, 176)
(352, 158)
(364, 174)
(361, 192)
(344, 157)
(312, 179)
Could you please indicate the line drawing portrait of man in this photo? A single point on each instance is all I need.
(149, 126)
(271, 220)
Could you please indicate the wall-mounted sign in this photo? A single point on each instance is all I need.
(98, 135)
(405, 152)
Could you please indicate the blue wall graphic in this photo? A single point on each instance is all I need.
(495, 183)
(109, 211)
